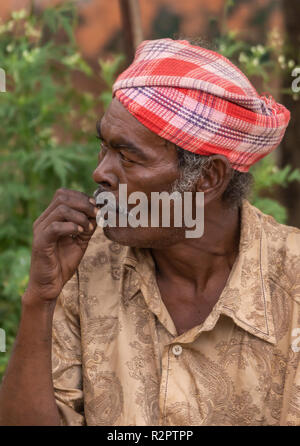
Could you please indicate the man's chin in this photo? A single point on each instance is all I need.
(144, 237)
(119, 235)
(134, 237)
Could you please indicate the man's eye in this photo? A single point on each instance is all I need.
(124, 158)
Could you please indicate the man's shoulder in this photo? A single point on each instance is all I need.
(282, 243)
(279, 236)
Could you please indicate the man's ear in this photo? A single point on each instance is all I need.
(215, 178)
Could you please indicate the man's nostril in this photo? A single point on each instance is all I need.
(105, 185)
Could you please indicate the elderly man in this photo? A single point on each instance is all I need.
(143, 325)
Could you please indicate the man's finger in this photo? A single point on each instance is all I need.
(59, 229)
(65, 213)
(74, 199)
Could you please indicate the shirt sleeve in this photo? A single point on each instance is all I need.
(66, 356)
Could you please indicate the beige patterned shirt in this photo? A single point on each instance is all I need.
(117, 359)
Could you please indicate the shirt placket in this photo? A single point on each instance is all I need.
(172, 357)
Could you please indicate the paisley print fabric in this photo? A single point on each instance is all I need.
(118, 360)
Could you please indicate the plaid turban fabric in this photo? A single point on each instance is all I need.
(201, 102)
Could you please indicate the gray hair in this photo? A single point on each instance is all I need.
(192, 166)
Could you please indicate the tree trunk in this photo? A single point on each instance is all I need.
(132, 27)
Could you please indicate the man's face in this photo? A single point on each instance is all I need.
(133, 155)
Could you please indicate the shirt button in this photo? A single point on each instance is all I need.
(177, 350)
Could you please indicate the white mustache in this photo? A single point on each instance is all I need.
(111, 205)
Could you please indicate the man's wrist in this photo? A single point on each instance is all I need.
(36, 322)
(31, 301)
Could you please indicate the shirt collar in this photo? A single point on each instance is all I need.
(245, 297)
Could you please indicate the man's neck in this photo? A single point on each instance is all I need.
(197, 260)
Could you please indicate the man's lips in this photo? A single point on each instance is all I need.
(111, 205)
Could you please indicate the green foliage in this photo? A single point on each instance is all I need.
(108, 70)
(274, 58)
(40, 104)
(267, 179)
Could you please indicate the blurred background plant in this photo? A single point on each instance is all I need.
(108, 70)
(47, 137)
(47, 134)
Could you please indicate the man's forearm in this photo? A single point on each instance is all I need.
(26, 392)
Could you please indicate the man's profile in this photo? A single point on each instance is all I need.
(142, 325)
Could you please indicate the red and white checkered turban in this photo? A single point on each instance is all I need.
(201, 102)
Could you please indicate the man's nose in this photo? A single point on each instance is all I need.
(105, 173)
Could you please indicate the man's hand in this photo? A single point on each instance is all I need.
(26, 394)
(60, 238)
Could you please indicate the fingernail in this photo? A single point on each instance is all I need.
(91, 227)
(92, 201)
(80, 229)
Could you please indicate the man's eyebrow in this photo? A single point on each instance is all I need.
(122, 143)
